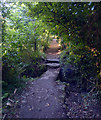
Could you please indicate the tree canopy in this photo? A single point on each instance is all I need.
(77, 23)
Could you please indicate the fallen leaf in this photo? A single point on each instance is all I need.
(23, 101)
(68, 113)
(4, 116)
(39, 100)
(30, 109)
(11, 100)
(47, 104)
(55, 98)
(39, 109)
(46, 98)
(9, 104)
(15, 91)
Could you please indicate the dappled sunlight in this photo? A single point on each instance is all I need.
(59, 52)
(54, 48)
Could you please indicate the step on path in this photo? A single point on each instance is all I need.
(52, 60)
(52, 63)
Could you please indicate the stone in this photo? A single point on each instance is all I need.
(52, 60)
(53, 65)
(69, 73)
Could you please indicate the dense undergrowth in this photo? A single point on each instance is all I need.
(82, 65)
(80, 70)
(16, 75)
(24, 42)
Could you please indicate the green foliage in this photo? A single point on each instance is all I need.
(82, 63)
(22, 45)
(82, 58)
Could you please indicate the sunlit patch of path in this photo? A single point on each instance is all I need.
(53, 51)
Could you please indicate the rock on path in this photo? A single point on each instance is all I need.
(53, 65)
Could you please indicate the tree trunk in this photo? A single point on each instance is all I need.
(35, 45)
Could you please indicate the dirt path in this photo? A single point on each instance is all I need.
(53, 51)
(44, 97)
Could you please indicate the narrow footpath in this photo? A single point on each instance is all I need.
(44, 96)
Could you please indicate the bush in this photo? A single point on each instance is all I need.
(78, 64)
(15, 67)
